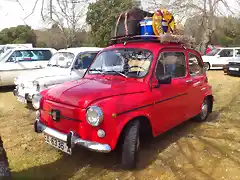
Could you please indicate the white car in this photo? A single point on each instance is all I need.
(17, 61)
(65, 65)
(219, 57)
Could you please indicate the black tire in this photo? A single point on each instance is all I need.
(130, 145)
(207, 66)
(5, 173)
(205, 111)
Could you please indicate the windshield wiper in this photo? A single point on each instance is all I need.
(99, 70)
(117, 73)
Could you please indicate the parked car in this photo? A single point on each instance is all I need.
(65, 65)
(5, 172)
(233, 67)
(20, 60)
(219, 57)
(132, 88)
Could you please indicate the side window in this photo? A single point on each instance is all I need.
(84, 60)
(171, 63)
(41, 55)
(195, 66)
(226, 53)
(15, 56)
(237, 52)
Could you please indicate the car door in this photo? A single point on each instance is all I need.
(196, 80)
(170, 100)
(222, 58)
(18, 63)
(82, 62)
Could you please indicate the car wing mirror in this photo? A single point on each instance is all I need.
(218, 56)
(167, 79)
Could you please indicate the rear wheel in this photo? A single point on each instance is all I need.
(131, 144)
(4, 166)
(204, 113)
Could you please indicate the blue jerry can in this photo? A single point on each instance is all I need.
(146, 27)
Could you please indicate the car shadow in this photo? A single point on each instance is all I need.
(99, 163)
(5, 89)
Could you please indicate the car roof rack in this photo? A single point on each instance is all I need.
(184, 41)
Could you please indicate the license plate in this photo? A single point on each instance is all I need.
(22, 99)
(233, 69)
(61, 145)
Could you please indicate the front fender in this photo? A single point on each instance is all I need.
(118, 111)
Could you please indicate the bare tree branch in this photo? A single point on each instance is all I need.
(34, 7)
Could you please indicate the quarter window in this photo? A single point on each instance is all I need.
(237, 52)
(171, 63)
(84, 60)
(195, 65)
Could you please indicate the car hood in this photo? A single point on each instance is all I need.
(41, 74)
(82, 92)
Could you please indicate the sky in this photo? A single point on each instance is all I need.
(11, 13)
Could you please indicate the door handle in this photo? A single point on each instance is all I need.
(189, 81)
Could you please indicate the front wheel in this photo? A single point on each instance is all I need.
(130, 145)
(207, 66)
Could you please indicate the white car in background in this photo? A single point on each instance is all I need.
(65, 65)
(17, 61)
(219, 57)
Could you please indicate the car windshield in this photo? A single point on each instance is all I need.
(213, 52)
(61, 59)
(125, 62)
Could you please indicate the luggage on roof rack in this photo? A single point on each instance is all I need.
(128, 22)
(164, 38)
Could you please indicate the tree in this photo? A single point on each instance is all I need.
(18, 35)
(208, 11)
(67, 16)
(102, 16)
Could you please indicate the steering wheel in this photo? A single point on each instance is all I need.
(136, 67)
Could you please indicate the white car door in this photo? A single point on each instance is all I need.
(222, 58)
(18, 63)
(81, 64)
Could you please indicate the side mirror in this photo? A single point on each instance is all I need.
(164, 80)
(218, 56)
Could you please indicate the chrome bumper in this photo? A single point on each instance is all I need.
(71, 139)
(27, 96)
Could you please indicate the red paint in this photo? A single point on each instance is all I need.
(165, 106)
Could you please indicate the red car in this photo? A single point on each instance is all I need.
(133, 87)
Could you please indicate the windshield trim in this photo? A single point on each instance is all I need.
(121, 48)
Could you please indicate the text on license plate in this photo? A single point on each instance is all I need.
(61, 145)
(233, 69)
(22, 99)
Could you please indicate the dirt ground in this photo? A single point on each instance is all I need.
(191, 151)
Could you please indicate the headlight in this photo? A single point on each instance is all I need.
(36, 101)
(94, 115)
(36, 84)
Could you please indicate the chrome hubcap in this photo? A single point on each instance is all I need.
(204, 110)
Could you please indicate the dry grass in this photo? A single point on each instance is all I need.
(201, 151)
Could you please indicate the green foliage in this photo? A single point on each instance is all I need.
(102, 16)
(18, 35)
